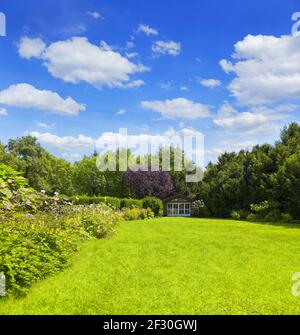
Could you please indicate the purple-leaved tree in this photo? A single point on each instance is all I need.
(149, 183)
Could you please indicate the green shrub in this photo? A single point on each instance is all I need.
(273, 216)
(268, 211)
(14, 193)
(131, 203)
(263, 209)
(98, 221)
(35, 246)
(135, 214)
(240, 214)
(155, 204)
(199, 209)
(114, 203)
(252, 217)
(286, 218)
(235, 215)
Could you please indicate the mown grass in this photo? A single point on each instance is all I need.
(176, 266)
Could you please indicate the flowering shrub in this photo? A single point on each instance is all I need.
(35, 246)
(200, 210)
(155, 204)
(14, 193)
(133, 214)
(268, 211)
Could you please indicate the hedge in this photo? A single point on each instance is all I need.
(153, 203)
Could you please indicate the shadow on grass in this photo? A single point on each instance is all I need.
(293, 225)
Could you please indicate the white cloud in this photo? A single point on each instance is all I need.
(184, 88)
(211, 83)
(143, 28)
(44, 125)
(258, 119)
(71, 156)
(121, 112)
(95, 15)
(64, 142)
(74, 144)
(3, 112)
(170, 48)
(130, 45)
(266, 69)
(27, 96)
(178, 108)
(230, 146)
(31, 47)
(167, 85)
(77, 60)
(132, 54)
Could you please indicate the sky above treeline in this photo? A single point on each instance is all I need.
(74, 72)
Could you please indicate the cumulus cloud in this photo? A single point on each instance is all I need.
(3, 112)
(64, 142)
(266, 69)
(80, 142)
(258, 119)
(211, 83)
(77, 60)
(170, 48)
(31, 47)
(178, 108)
(27, 96)
(143, 28)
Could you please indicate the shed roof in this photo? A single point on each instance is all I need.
(180, 197)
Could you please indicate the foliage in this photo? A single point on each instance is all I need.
(155, 204)
(14, 194)
(268, 211)
(200, 210)
(132, 203)
(263, 209)
(240, 214)
(267, 173)
(98, 221)
(35, 246)
(42, 170)
(135, 214)
(114, 203)
(149, 183)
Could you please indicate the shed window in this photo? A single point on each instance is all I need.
(179, 209)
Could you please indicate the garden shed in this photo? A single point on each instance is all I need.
(178, 205)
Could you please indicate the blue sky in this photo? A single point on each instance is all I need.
(76, 71)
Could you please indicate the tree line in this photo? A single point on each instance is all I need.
(235, 182)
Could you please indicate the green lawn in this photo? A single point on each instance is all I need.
(176, 266)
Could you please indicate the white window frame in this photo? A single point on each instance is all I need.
(176, 207)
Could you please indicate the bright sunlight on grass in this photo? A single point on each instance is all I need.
(176, 266)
